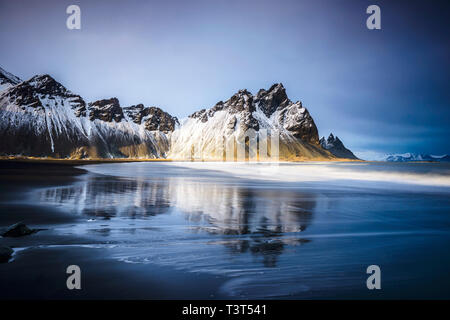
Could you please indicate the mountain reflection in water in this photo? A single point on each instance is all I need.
(282, 234)
(260, 215)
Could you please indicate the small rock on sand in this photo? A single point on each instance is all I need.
(5, 253)
(18, 230)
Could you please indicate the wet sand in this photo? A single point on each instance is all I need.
(40, 272)
(164, 231)
(17, 178)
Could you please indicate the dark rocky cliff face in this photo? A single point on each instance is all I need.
(270, 110)
(154, 118)
(273, 102)
(42, 89)
(106, 110)
(273, 99)
(241, 104)
(7, 79)
(336, 147)
(34, 119)
(40, 117)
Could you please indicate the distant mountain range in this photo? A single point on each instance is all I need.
(408, 157)
(39, 117)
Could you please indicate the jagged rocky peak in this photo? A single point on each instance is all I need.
(241, 101)
(106, 110)
(241, 104)
(327, 143)
(293, 116)
(201, 114)
(297, 120)
(274, 103)
(40, 117)
(271, 100)
(23, 95)
(135, 113)
(203, 133)
(153, 118)
(8, 79)
(336, 147)
(45, 84)
(43, 90)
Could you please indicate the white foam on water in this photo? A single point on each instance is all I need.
(289, 172)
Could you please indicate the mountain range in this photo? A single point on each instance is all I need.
(410, 157)
(39, 117)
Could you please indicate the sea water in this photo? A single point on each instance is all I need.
(292, 230)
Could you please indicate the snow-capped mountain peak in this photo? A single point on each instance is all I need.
(40, 117)
(269, 101)
(7, 79)
(410, 157)
(45, 84)
(270, 110)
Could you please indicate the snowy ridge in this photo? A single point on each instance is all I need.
(7, 79)
(40, 117)
(336, 147)
(407, 157)
(204, 134)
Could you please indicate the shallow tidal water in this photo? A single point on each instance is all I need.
(306, 230)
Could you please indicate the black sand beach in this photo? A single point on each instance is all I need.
(169, 231)
(40, 272)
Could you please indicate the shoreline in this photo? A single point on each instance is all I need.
(37, 268)
(77, 162)
(140, 256)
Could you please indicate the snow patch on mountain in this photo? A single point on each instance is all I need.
(206, 133)
(408, 157)
(7, 79)
(336, 147)
(40, 117)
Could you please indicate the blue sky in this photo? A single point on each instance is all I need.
(380, 91)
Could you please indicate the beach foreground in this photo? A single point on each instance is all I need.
(160, 230)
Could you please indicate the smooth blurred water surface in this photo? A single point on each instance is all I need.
(272, 237)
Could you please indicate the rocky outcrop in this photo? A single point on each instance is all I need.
(153, 118)
(336, 147)
(240, 104)
(106, 110)
(40, 117)
(270, 110)
(5, 253)
(273, 99)
(7, 79)
(18, 230)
